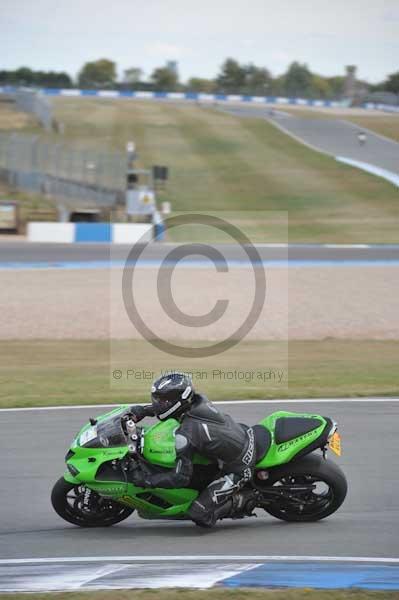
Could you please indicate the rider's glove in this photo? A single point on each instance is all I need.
(140, 478)
(137, 413)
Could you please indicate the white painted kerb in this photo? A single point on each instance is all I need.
(51, 232)
(131, 233)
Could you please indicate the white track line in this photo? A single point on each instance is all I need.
(207, 558)
(281, 401)
(237, 402)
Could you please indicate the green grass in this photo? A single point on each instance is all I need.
(45, 373)
(221, 162)
(212, 594)
(385, 125)
(12, 119)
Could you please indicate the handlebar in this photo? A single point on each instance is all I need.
(130, 430)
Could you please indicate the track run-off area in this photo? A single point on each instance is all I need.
(358, 546)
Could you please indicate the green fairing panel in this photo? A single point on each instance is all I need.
(157, 437)
(282, 453)
(138, 498)
(87, 467)
(82, 458)
(159, 445)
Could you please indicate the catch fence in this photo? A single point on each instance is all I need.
(35, 102)
(70, 175)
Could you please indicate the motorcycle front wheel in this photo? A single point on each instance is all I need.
(79, 505)
(311, 489)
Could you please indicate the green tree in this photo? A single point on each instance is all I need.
(132, 76)
(232, 76)
(27, 77)
(164, 79)
(99, 73)
(198, 84)
(277, 86)
(392, 83)
(297, 80)
(257, 80)
(320, 87)
(24, 76)
(337, 86)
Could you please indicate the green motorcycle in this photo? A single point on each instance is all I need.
(291, 480)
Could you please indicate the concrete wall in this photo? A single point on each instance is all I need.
(117, 233)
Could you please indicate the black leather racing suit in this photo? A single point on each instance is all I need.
(216, 436)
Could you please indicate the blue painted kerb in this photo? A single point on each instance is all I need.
(331, 575)
(93, 232)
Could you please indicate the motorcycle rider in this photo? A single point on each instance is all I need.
(206, 430)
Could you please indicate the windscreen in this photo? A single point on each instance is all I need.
(106, 433)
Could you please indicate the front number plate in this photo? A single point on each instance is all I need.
(335, 444)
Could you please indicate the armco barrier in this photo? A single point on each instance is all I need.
(116, 233)
(383, 107)
(193, 96)
(200, 97)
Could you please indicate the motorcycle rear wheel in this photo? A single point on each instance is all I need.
(69, 502)
(330, 488)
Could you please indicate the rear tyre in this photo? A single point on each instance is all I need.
(328, 493)
(79, 505)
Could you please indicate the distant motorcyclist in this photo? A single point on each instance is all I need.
(361, 138)
(206, 430)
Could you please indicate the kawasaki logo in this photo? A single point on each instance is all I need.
(287, 445)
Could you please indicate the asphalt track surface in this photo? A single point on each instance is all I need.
(367, 525)
(18, 252)
(332, 136)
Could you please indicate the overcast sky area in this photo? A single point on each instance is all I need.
(325, 34)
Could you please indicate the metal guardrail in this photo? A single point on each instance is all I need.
(368, 103)
(71, 176)
(190, 96)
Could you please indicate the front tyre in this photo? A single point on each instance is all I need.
(79, 505)
(326, 489)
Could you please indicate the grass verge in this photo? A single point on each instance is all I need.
(46, 373)
(221, 162)
(387, 125)
(213, 594)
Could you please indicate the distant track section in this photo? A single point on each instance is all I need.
(336, 137)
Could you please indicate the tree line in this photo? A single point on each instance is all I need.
(232, 78)
(30, 78)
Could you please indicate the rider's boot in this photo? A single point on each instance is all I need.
(208, 518)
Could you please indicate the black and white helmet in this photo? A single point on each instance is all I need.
(171, 395)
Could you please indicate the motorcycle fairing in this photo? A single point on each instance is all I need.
(87, 464)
